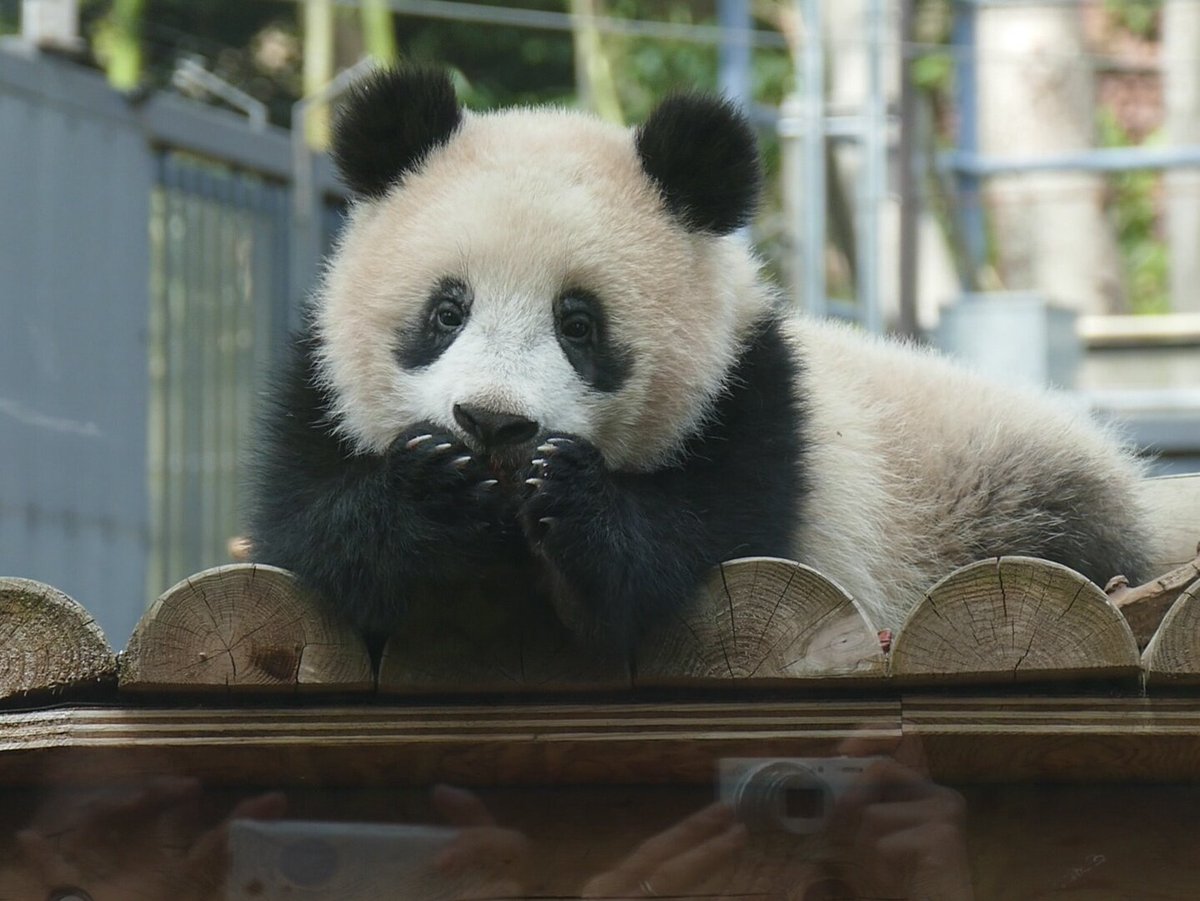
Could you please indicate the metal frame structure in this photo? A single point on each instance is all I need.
(806, 120)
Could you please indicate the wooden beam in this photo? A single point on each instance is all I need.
(492, 744)
(763, 621)
(978, 739)
(244, 627)
(1088, 739)
(48, 642)
(1013, 619)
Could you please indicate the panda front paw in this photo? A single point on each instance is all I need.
(572, 520)
(567, 487)
(448, 484)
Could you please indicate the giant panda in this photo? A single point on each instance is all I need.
(543, 346)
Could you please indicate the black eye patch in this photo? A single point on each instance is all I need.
(441, 320)
(582, 330)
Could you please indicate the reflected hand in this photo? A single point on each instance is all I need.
(679, 861)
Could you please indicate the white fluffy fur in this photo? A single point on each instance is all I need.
(905, 449)
(523, 203)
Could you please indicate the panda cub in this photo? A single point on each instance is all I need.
(540, 344)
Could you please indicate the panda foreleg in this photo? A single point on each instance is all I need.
(368, 532)
(615, 558)
(626, 549)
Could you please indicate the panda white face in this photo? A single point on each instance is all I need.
(527, 278)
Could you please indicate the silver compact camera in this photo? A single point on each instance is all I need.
(787, 794)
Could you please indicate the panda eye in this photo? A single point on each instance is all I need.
(448, 315)
(577, 327)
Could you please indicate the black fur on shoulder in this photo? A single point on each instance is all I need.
(367, 532)
(702, 153)
(389, 123)
(626, 551)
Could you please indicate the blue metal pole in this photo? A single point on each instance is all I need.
(813, 197)
(970, 201)
(734, 61)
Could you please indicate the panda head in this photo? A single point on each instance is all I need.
(508, 274)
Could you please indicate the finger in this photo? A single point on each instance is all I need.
(868, 746)
(885, 781)
(929, 861)
(484, 847)
(882, 820)
(211, 847)
(459, 807)
(687, 833)
(43, 858)
(687, 872)
(625, 877)
(109, 821)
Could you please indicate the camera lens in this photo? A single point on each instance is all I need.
(782, 796)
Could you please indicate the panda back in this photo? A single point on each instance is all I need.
(917, 466)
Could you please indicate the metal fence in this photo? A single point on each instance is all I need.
(218, 279)
(145, 283)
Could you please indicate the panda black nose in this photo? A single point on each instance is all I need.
(494, 429)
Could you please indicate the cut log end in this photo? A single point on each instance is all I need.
(762, 620)
(1173, 654)
(243, 627)
(1014, 619)
(48, 642)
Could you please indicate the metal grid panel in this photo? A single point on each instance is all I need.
(218, 298)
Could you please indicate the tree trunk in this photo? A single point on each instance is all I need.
(378, 32)
(318, 66)
(1036, 98)
(1181, 187)
(124, 33)
(594, 82)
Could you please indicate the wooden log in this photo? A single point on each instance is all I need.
(243, 627)
(1173, 655)
(1144, 606)
(1012, 619)
(488, 636)
(763, 621)
(48, 642)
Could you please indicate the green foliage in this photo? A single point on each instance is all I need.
(1140, 17)
(496, 65)
(933, 71)
(1134, 211)
(10, 10)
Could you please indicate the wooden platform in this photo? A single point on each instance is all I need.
(962, 740)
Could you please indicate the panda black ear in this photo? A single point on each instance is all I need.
(702, 154)
(389, 123)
